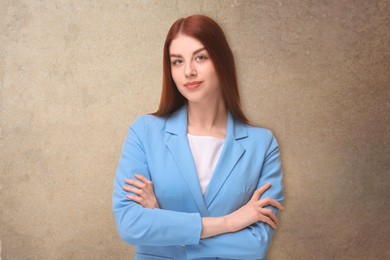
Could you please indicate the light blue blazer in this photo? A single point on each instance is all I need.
(158, 149)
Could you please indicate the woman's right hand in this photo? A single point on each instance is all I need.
(254, 211)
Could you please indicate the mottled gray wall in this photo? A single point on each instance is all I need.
(75, 74)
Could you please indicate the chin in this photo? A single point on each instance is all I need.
(193, 97)
(195, 100)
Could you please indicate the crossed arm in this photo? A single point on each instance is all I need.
(253, 211)
(141, 222)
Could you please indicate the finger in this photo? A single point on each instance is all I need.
(269, 213)
(126, 188)
(142, 178)
(135, 183)
(134, 190)
(268, 221)
(268, 201)
(142, 190)
(256, 195)
(148, 188)
(137, 199)
(130, 181)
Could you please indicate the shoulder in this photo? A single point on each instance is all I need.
(259, 132)
(148, 122)
(261, 136)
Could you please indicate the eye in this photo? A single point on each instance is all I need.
(201, 57)
(177, 62)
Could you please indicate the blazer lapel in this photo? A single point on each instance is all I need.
(231, 154)
(177, 143)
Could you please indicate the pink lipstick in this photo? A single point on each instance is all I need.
(193, 84)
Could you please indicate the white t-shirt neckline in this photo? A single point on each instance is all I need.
(206, 151)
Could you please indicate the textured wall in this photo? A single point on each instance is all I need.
(75, 74)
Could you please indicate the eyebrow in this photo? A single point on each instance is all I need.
(194, 53)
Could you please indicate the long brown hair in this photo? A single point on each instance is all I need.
(210, 34)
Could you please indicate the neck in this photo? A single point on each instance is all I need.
(207, 119)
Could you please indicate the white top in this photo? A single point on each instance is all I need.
(206, 151)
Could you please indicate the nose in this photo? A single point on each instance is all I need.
(189, 70)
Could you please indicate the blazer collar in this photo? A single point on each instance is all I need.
(177, 124)
(177, 143)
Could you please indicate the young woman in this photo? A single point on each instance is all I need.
(195, 180)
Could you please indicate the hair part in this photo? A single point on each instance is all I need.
(210, 34)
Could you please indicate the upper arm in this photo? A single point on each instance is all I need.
(271, 171)
(136, 224)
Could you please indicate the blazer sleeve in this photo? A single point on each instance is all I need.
(253, 241)
(140, 226)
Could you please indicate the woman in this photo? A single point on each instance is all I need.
(195, 180)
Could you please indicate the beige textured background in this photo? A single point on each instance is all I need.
(75, 74)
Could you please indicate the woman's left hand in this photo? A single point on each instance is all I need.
(143, 190)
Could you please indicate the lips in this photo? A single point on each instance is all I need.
(193, 84)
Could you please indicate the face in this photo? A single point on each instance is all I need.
(193, 71)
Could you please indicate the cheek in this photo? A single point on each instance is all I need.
(214, 79)
(175, 75)
(210, 72)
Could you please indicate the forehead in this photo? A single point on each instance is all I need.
(184, 44)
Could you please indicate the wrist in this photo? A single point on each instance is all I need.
(228, 224)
